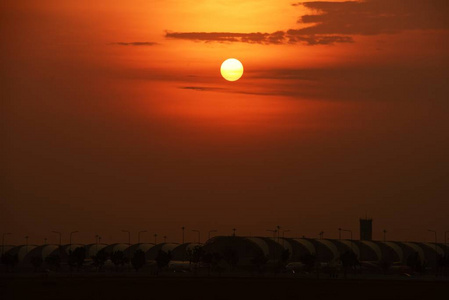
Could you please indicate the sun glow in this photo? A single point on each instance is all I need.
(231, 69)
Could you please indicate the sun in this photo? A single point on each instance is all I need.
(231, 69)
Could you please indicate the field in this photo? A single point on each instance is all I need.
(126, 287)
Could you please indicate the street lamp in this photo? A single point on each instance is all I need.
(346, 230)
(183, 228)
(129, 236)
(199, 235)
(385, 235)
(60, 235)
(26, 243)
(208, 234)
(3, 240)
(283, 236)
(71, 238)
(321, 234)
(233, 231)
(434, 231)
(279, 231)
(339, 233)
(274, 232)
(155, 238)
(138, 235)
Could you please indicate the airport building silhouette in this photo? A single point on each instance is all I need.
(372, 255)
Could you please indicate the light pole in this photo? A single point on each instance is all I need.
(138, 235)
(60, 236)
(199, 235)
(434, 231)
(183, 229)
(321, 235)
(96, 243)
(71, 233)
(274, 232)
(26, 243)
(129, 236)
(283, 236)
(155, 238)
(346, 230)
(208, 234)
(278, 228)
(339, 233)
(436, 252)
(385, 235)
(3, 240)
(233, 231)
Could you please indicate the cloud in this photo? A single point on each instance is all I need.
(135, 44)
(201, 88)
(372, 17)
(338, 22)
(275, 38)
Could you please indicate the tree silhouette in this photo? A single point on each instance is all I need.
(309, 261)
(415, 263)
(77, 257)
(53, 261)
(36, 262)
(138, 260)
(231, 257)
(349, 261)
(10, 261)
(100, 259)
(259, 262)
(118, 259)
(386, 264)
(162, 259)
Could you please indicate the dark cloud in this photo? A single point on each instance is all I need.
(373, 17)
(201, 88)
(337, 22)
(136, 44)
(275, 38)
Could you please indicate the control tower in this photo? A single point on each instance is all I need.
(366, 229)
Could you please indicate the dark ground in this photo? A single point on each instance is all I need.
(217, 288)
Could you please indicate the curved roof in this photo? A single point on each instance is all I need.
(109, 249)
(92, 249)
(286, 244)
(376, 252)
(347, 246)
(395, 248)
(245, 248)
(261, 244)
(433, 247)
(326, 250)
(142, 246)
(412, 247)
(40, 251)
(5, 248)
(306, 244)
(152, 252)
(180, 252)
(71, 247)
(21, 251)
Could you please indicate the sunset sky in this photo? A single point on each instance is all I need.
(114, 116)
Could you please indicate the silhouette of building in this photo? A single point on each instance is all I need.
(366, 229)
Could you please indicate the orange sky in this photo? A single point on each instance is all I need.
(114, 116)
